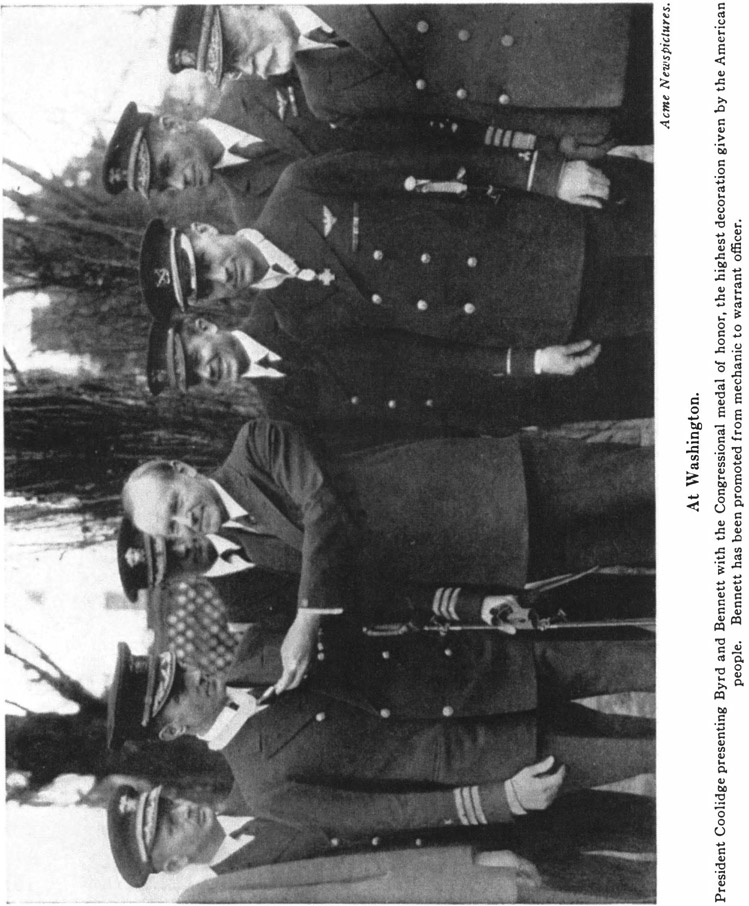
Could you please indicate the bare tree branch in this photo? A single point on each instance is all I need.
(64, 684)
(14, 368)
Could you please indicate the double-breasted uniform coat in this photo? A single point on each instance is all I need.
(563, 70)
(514, 273)
(355, 752)
(555, 840)
(363, 388)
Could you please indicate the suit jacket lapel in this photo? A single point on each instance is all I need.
(251, 492)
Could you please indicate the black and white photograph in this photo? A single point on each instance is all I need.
(330, 428)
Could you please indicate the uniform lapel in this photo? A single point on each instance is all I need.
(359, 26)
(275, 131)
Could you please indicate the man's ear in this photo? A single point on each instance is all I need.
(205, 326)
(176, 863)
(170, 732)
(204, 229)
(182, 468)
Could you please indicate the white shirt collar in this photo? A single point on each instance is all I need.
(255, 352)
(222, 567)
(240, 707)
(229, 845)
(229, 136)
(280, 265)
(233, 509)
(306, 20)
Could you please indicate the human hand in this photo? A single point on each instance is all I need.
(633, 152)
(569, 359)
(296, 650)
(504, 858)
(581, 184)
(536, 789)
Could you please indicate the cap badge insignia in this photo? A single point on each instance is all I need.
(328, 221)
(127, 805)
(163, 277)
(134, 556)
(117, 175)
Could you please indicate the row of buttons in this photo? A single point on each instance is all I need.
(425, 258)
(334, 841)
(391, 404)
(422, 27)
(422, 305)
(386, 654)
(462, 94)
(447, 711)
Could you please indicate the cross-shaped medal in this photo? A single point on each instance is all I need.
(326, 277)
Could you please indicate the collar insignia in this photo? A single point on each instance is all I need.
(134, 556)
(163, 277)
(328, 221)
(127, 805)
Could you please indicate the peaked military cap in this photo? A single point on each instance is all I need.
(141, 559)
(168, 275)
(197, 42)
(140, 689)
(132, 820)
(167, 361)
(128, 163)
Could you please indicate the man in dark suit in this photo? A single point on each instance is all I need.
(480, 511)
(330, 757)
(578, 72)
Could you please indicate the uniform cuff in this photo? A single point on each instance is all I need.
(520, 363)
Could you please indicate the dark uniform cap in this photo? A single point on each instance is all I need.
(140, 689)
(141, 559)
(168, 275)
(197, 42)
(167, 364)
(132, 822)
(128, 163)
